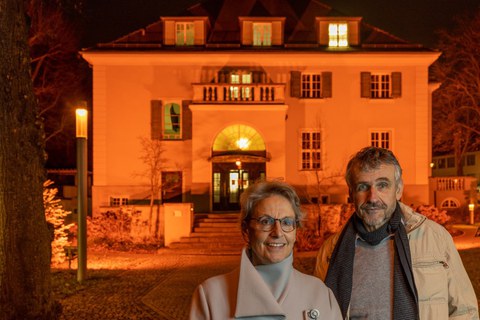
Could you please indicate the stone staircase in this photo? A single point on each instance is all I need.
(213, 234)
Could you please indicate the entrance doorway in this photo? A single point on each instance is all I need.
(230, 180)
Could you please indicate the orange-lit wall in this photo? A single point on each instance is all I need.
(125, 83)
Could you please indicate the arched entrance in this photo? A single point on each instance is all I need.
(238, 160)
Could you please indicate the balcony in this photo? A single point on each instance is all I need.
(257, 93)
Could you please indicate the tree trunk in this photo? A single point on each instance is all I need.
(25, 289)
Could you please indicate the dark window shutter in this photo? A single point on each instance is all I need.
(156, 119)
(326, 84)
(295, 86)
(257, 76)
(396, 84)
(366, 79)
(186, 120)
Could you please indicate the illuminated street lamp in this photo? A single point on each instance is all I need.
(82, 128)
(471, 208)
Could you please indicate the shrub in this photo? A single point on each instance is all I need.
(55, 216)
(433, 213)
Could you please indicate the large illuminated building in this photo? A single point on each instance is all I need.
(241, 90)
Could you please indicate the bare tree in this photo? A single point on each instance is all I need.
(25, 288)
(456, 112)
(58, 73)
(151, 156)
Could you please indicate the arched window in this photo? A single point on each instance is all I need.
(450, 203)
(239, 138)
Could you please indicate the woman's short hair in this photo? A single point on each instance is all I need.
(264, 189)
(371, 158)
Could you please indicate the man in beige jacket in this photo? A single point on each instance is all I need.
(389, 262)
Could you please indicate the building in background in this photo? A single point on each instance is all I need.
(244, 90)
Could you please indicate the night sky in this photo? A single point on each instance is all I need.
(412, 20)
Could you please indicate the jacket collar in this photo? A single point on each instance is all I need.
(254, 298)
(411, 219)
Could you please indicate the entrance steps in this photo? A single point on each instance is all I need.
(213, 234)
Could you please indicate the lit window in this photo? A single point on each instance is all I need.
(381, 139)
(171, 121)
(311, 150)
(338, 35)
(118, 201)
(262, 34)
(240, 92)
(185, 33)
(311, 86)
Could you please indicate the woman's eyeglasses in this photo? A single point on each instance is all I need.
(266, 223)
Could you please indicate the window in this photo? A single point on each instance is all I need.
(171, 186)
(450, 162)
(240, 92)
(381, 139)
(185, 33)
(470, 160)
(311, 85)
(381, 85)
(311, 150)
(450, 203)
(118, 201)
(262, 34)
(171, 121)
(441, 163)
(338, 35)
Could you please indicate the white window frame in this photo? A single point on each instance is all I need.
(262, 34)
(182, 29)
(310, 144)
(338, 34)
(118, 201)
(383, 138)
(381, 85)
(311, 85)
(450, 203)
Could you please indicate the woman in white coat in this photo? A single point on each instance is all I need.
(265, 285)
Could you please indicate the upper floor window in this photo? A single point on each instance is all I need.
(311, 85)
(338, 35)
(381, 85)
(184, 33)
(381, 139)
(171, 121)
(262, 33)
(310, 146)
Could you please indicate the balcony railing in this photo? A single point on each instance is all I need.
(452, 183)
(239, 93)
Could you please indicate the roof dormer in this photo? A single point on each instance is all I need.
(261, 31)
(184, 31)
(338, 32)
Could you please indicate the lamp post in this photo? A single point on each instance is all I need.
(471, 208)
(81, 126)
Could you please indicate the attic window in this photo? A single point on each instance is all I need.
(338, 35)
(185, 33)
(262, 34)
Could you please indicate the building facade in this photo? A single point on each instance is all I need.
(235, 91)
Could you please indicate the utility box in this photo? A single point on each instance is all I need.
(178, 221)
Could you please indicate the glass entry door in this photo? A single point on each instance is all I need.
(229, 182)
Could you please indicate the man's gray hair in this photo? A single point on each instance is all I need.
(371, 158)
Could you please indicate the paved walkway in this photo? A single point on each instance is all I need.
(146, 286)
